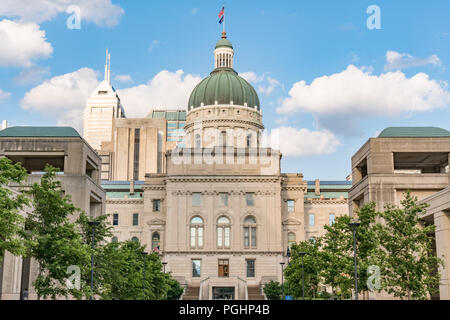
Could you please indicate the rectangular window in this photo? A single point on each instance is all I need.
(137, 139)
(250, 268)
(219, 236)
(249, 199)
(290, 205)
(135, 219)
(246, 237)
(331, 218)
(115, 219)
(193, 236)
(196, 199)
(227, 237)
(156, 205)
(224, 268)
(253, 236)
(200, 237)
(224, 199)
(311, 219)
(196, 268)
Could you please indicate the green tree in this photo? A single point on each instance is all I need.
(273, 290)
(409, 268)
(103, 231)
(338, 253)
(58, 242)
(12, 235)
(121, 271)
(337, 257)
(312, 264)
(175, 290)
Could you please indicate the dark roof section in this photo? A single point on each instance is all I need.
(39, 132)
(413, 132)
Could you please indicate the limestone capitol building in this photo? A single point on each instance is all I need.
(200, 187)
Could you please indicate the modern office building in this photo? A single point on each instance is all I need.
(407, 158)
(79, 173)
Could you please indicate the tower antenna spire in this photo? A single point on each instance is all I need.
(106, 65)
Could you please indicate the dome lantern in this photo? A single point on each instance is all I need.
(223, 53)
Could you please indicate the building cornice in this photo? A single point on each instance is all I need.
(124, 201)
(224, 252)
(257, 179)
(326, 201)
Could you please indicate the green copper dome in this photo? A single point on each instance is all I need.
(224, 85)
(224, 43)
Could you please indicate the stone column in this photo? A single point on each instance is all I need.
(442, 223)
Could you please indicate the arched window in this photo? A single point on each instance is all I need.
(155, 241)
(291, 239)
(198, 141)
(135, 239)
(196, 232)
(249, 140)
(223, 232)
(250, 232)
(114, 239)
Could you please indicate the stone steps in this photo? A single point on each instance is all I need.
(191, 293)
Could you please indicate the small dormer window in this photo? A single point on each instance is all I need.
(102, 93)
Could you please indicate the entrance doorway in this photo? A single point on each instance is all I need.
(223, 293)
(224, 269)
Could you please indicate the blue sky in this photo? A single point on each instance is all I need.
(277, 44)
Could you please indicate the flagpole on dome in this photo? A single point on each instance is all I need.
(222, 21)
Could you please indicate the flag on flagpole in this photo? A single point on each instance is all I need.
(221, 15)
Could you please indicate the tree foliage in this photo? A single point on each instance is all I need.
(121, 272)
(175, 290)
(312, 265)
(58, 242)
(409, 268)
(12, 235)
(273, 290)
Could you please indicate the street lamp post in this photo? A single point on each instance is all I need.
(144, 255)
(355, 225)
(164, 265)
(282, 279)
(93, 224)
(302, 254)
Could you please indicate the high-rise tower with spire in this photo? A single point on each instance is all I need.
(103, 105)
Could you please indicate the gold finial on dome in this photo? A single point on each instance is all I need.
(224, 35)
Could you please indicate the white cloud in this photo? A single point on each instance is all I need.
(22, 43)
(357, 92)
(101, 12)
(251, 76)
(63, 97)
(293, 142)
(123, 78)
(266, 84)
(32, 75)
(167, 90)
(153, 45)
(4, 95)
(397, 61)
(195, 10)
